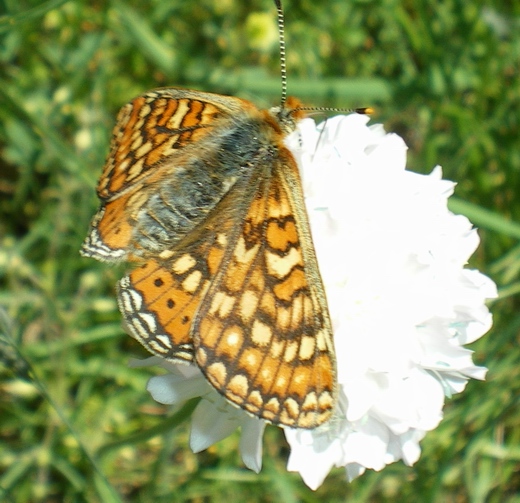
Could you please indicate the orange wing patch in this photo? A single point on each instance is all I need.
(158, 312)
(159, 301)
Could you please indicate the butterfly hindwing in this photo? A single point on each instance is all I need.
(159, 299)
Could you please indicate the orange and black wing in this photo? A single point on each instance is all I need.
(262, 334)
(158, 183)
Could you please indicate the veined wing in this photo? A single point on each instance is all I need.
(262, 334)
(161, 177)
(159, 300)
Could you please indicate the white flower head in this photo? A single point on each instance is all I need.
(402, 305)
(392, 259)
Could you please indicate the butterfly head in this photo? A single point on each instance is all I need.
(289, 114)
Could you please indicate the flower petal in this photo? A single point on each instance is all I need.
(212, 421)
(251, 443)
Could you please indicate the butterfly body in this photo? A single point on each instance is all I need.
(200, 190)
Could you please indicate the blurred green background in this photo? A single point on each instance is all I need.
(76, 424)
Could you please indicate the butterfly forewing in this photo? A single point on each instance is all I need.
(154, 188)
(262, 334)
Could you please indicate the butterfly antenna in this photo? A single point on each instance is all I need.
(281, 36)
(283, 71)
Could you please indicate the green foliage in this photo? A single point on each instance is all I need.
(76, 423)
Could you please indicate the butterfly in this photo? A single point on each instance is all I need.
(200, 191)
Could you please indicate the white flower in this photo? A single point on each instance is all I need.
(402, 305)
